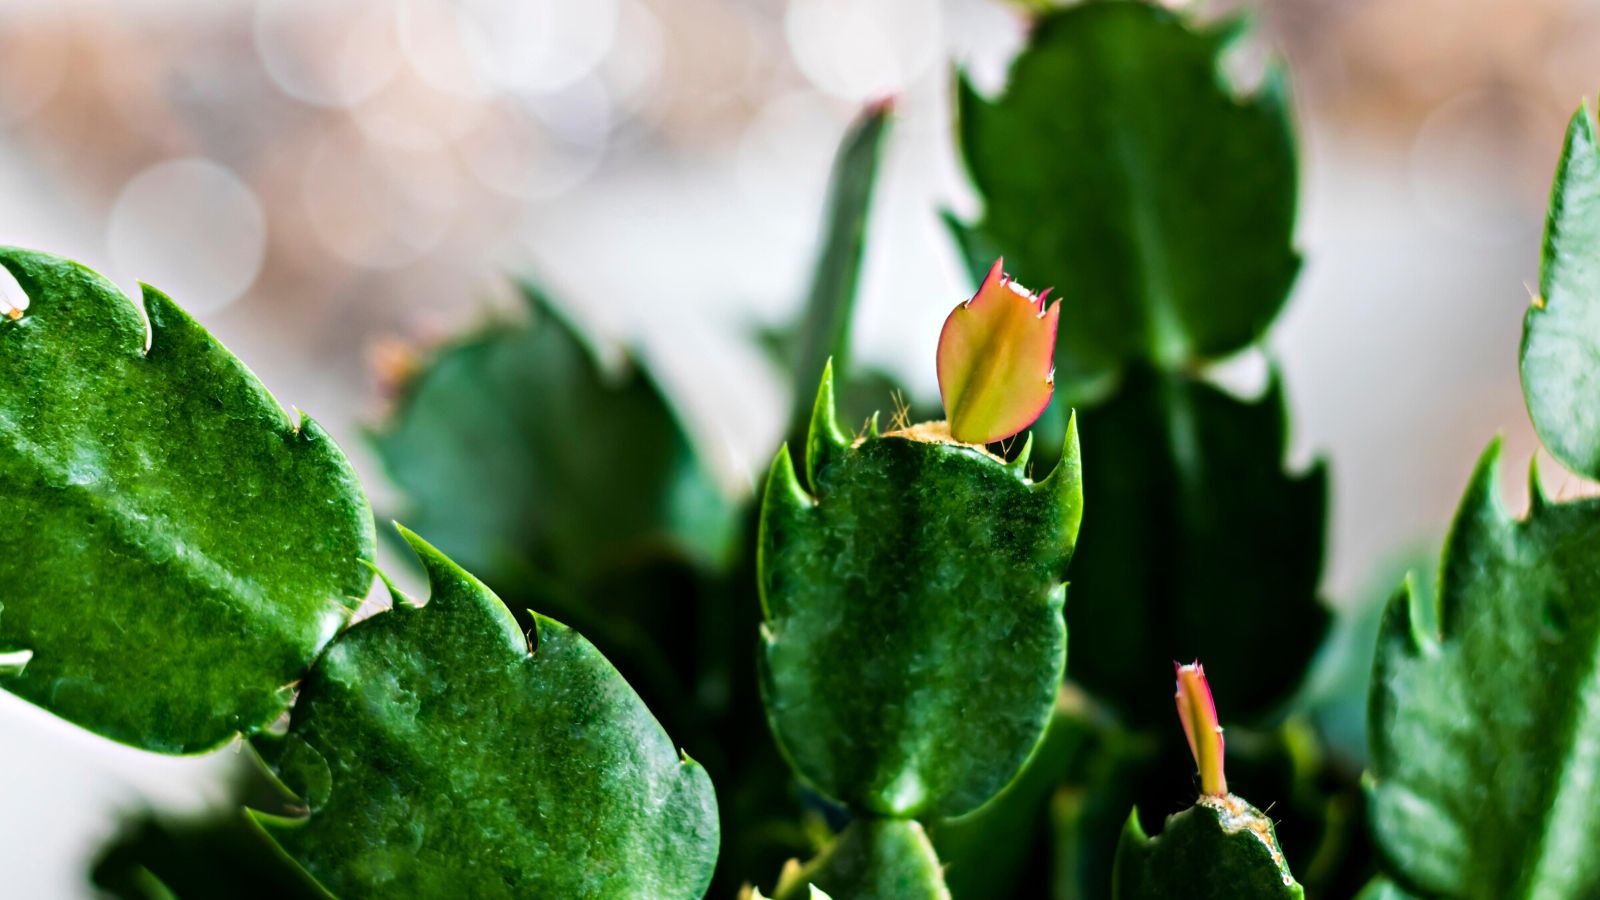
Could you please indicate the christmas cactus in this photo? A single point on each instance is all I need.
(870, 679)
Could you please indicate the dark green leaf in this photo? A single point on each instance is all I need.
(872, 859)
(830, 304)
(913, 639)
(216, 857)
(1119, 167)
(1561, 333)
(1222, 848)
(440, 758)
(524, 457)
(178, 549)
(991, 852)
(1485, 777)
(1200, 544)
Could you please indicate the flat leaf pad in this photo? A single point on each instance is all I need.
(914, 636)
(440, 758)
(177, 548)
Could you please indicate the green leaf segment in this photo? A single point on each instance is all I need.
(1561, 332)
(190, 549)
(181, 547)
(1202, 543)
(531, 462)
(906, 564)
(1485, 771)
(1485, 781)
(913, 638)
(1119, 167)
(440, 756)
(1222, 848)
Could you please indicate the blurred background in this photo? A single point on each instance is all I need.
(332, 186)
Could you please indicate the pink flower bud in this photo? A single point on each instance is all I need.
(995, 360)
(1198, 712)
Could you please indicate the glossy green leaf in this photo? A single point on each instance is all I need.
(1222, 848)
(1485, 773)
(824, 332)
(872, 859)
(913, 639)
(178, 548)
(1200, 544)
(439, 757)
(1561, 332)
(1119, 166)
(529, 461)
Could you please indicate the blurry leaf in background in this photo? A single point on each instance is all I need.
(530, 462)
(1485, 781)
(441, 755)
(179, 547)
(1119, 167)
(1336, 689)
(1561, 331)
(1201, 546)
(823, 331)
(576, 490)
(217, 854)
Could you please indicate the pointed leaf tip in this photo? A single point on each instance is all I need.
(996, 358)
(1198, 713)
(824, 439)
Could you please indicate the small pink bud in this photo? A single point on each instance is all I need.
(1198, 712)
(995, 360)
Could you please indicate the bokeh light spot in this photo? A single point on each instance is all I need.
(861, 50)
(193, 229)
(331, 54)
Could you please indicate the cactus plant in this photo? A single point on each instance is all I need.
(183, 559)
